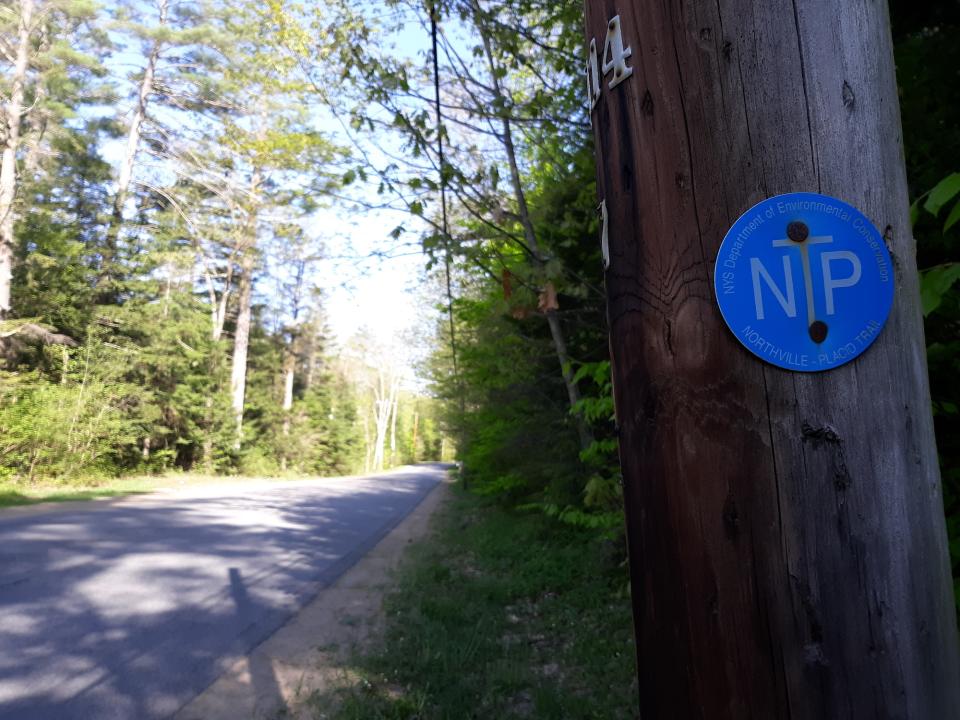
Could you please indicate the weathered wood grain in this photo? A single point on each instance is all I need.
(787, 543)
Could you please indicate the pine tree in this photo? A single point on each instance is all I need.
(51, 58)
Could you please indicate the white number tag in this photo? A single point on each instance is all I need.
(613, 47)
(614, 56)
(593, 75)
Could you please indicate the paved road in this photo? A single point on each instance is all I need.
(125, 611)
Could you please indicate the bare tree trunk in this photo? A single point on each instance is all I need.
(382, 417)
(381, 427)
(218, 306)
(219, 310)
(416, 427)
(393, 431)
(785, 529)
(241, 341)
(386, 398)
(129, 159)
(530, 235)
(241, 338)
(366, 441)
(8, 162)
(288, 388)
(289, 366)
(290, 355)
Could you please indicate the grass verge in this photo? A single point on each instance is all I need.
(499, 615)
(91, 488)
(12, 494)
(17, 494)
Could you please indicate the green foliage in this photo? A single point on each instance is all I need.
(940, 294)
(86, 424)
(927, 56)
(935, 283)
(326, 429)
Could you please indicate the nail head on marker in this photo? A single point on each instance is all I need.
(818, 331)
(798, 231)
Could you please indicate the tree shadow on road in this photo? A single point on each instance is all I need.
(122, 611)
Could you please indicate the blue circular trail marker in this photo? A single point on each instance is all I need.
(804, 281)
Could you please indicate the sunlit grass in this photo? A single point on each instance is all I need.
(13, 494)
(22, 494)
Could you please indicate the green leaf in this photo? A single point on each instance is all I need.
(416, 207)
(915, 212)
(942, 193)
(953, 218)
(935, 283)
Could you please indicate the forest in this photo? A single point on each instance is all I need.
(161, 285)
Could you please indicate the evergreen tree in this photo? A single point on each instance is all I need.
(50, 58)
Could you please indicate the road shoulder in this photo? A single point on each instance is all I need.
(310, 654)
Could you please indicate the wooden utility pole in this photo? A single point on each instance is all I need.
(786, 534)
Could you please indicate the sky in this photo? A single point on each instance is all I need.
(378, 293)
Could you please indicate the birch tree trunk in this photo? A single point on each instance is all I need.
(416, 427)
(241, 341)
(289, 367)
(385, 401)
(8, 161)
(218, 308)
(393, 431)
(382, 418)
(368, 446)
(786, 534)
(288, 373)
